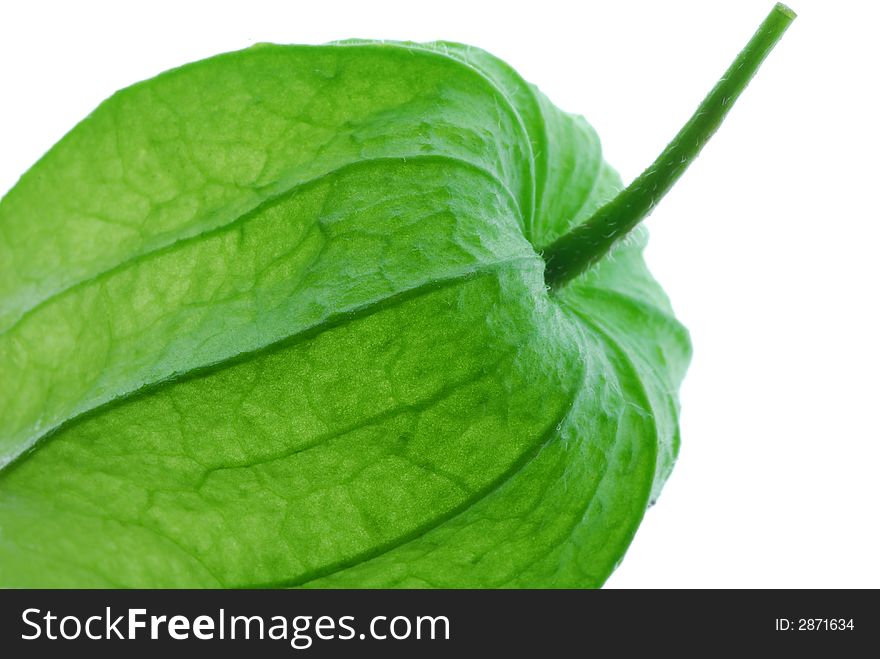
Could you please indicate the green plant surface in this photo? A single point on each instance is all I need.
(280, 318)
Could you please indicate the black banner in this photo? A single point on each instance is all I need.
(434, 623)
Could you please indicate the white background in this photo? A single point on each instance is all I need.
(767, 246)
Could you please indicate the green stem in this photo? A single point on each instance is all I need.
(587, 243)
